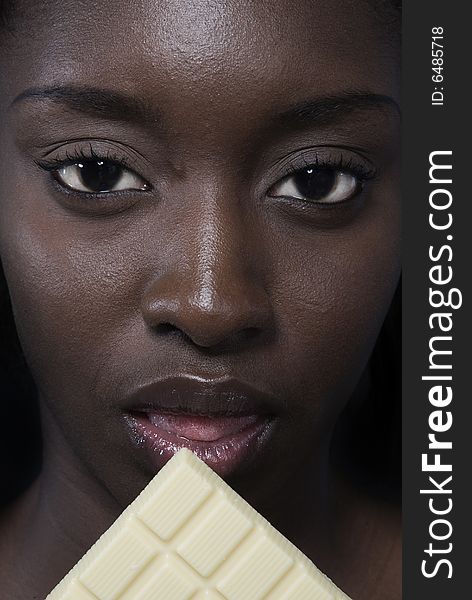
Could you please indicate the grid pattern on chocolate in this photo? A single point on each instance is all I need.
(189, 536)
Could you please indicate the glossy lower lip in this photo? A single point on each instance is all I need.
(226, 422)
(226, 453)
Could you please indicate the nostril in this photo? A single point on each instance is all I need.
(250, 333)
(166, 328)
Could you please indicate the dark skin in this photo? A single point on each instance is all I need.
(207, 271)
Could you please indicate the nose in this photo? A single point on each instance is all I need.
(213, 291)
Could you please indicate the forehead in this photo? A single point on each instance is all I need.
(239, 48)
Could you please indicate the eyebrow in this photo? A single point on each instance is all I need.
(95, 102)
(112, 105)
(329, 108)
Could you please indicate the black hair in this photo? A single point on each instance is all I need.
(20, 443)
(6, 14)
(369, 431)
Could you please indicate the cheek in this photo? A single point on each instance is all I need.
(332, 293)
(68, 290)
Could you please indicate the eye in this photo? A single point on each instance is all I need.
(321, 185)
(99, 176)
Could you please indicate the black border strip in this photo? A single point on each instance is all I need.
(429, 128)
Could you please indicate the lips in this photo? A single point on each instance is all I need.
(200, 428)
(227, 423)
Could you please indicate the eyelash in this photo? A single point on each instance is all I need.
(336, 162)
(81, 155)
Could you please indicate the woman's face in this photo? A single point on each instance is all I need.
(243, 224)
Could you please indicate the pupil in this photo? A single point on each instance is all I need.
(100, 176)
(315, 183)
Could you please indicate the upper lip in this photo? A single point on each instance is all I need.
(206, 397)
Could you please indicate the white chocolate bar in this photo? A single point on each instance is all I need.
(189, 536)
